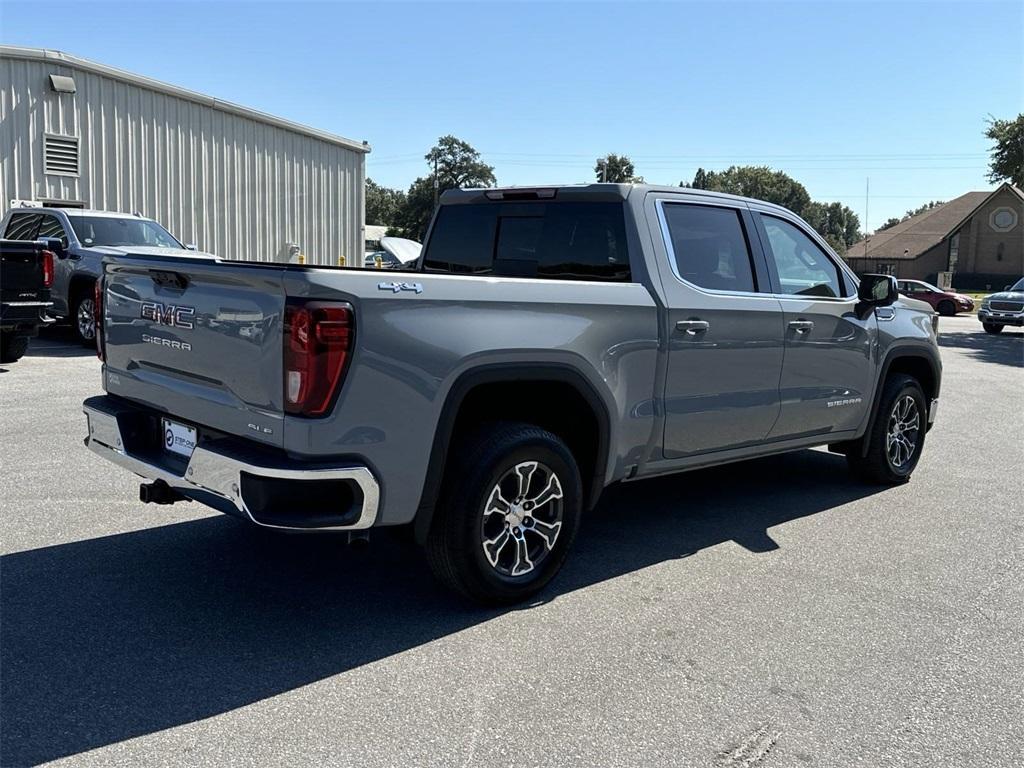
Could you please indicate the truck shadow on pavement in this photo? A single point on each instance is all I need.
(121, 636)
(1005, 349)
(58, 340)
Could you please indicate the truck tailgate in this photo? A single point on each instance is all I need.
(21, 269)
(198, 339)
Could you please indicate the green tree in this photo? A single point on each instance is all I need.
(616, 169)
(758, 181)
(453, 164)
(835, 222)
(1007, 162)
(383, 205)
(920, 209)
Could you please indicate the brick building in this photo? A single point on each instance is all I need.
(979, 237)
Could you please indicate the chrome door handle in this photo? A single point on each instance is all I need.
(692, 327)
(801, 326)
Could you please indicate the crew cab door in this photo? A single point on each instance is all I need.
(725, 330)
(828, 370)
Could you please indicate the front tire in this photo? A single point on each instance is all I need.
(946, 308)
(83, 318)
(508, 513)
(12, 348)
(992, 328)
(897, 437)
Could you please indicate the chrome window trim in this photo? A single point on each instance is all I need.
(670, 250)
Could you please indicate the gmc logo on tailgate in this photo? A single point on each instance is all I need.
(169, 314)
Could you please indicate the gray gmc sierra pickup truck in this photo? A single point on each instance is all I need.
(547, 343)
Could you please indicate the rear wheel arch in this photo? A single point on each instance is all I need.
(552, 396)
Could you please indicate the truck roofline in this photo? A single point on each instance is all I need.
(594, 191)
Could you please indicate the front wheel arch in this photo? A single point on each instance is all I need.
(920, 363)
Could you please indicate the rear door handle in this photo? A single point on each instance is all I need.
(801, 326)
(692, 327)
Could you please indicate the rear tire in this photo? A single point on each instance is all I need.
(12, 348)
(897, 437)
(947, 308)
(992, 328)
(489, 540)
(83, 317)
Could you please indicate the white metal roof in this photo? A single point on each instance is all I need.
(67, 60)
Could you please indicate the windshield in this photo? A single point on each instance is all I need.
(113, 232)
(1018, 286)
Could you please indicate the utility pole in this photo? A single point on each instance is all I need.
(436, 185)
(867, 195)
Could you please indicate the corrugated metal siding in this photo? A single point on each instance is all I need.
(237, 187)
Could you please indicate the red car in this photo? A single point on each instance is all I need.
(943, 302)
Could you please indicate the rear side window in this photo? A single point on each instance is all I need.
(803, 268)
(50, 226)
(22, 226)
(710, 247)
(565, 241)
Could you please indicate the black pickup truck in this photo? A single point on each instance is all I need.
(26, 275)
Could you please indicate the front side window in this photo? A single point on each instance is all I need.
(565, 241)
(112, 232)
(22, 226)
(710, 247)
(50, 226)
(803, 268)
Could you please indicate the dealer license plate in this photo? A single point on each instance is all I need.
(179, 438)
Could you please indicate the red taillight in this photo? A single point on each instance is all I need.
(318, 340)
(47, 269)
(97, 318)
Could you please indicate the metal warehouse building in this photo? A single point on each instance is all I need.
(239, 183)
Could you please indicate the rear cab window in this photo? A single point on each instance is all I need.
(22, 226)
(555, 240)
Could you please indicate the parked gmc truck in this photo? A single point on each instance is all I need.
(547, 343)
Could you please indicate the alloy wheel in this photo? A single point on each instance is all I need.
(903, 431)
(85, 320)
(522, 518)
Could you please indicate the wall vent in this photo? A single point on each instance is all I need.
(60, 154)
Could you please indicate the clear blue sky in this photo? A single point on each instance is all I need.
(829, 92)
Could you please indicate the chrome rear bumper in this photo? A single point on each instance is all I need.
(211, 472)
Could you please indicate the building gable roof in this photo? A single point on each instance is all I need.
(910, 238)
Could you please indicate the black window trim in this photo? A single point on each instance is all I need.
(763, 287)
(846, 278)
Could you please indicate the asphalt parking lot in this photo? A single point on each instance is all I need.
(771, 613)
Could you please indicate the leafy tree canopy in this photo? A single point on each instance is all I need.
(835, 222)
(458, 165)
(1007, 162)
(920, 209)
(383, 205)
(616, 169)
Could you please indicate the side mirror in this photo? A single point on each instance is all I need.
(1007, 287)
(192, 247)
(55, 246)
(878, 290)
